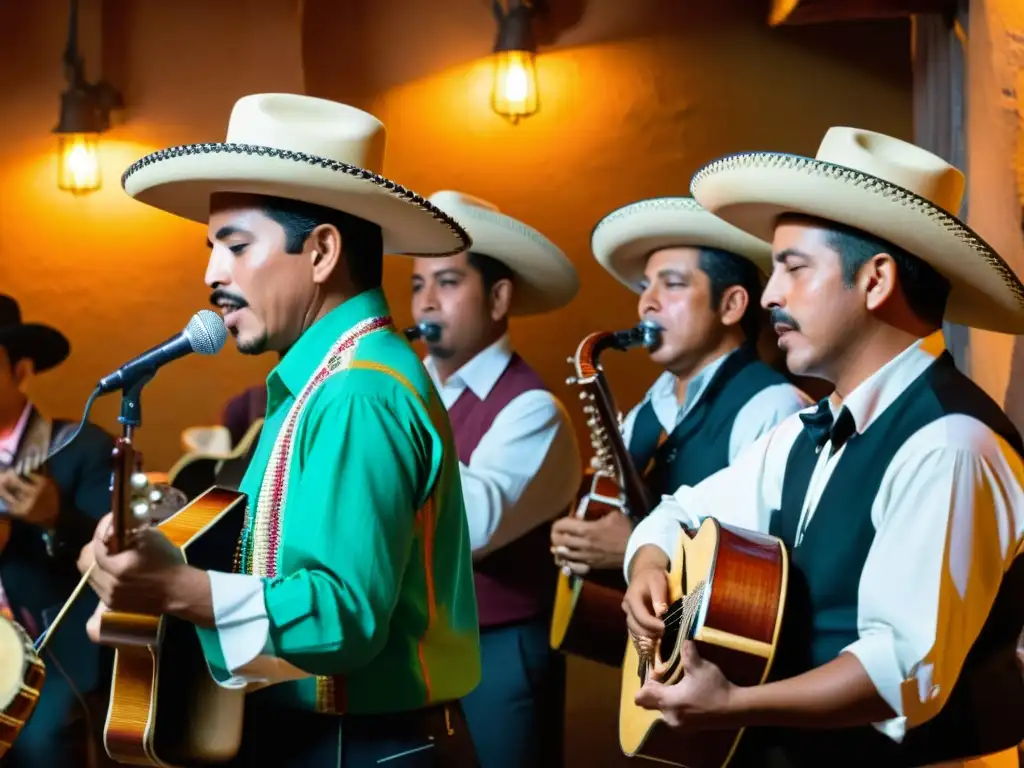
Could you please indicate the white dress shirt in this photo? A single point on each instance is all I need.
(759, 415)
(948, 518)
(526, 469)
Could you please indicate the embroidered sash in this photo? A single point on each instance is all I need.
(260, 542)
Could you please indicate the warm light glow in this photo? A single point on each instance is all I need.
(78, 163)
(515, 85)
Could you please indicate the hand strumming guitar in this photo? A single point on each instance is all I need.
(646, 597)
(149, 577)
(585, 545)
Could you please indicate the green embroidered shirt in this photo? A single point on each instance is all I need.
(373, 592)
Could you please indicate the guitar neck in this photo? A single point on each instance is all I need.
(606, 436)
(125, 463)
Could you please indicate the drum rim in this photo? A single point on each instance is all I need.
(16, 658)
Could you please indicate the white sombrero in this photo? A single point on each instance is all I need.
(624, 239)
(885, 187)
(300, 148)
(545, 279)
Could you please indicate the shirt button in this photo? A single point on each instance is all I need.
(671, 456)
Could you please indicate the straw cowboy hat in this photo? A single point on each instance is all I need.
(885, 187)
(624, 239)
(544, 278)
(46, 347)
(300, 148)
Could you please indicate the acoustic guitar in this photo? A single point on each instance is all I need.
(195, 472)
(727, 593)
(587, 618)
(165, 708)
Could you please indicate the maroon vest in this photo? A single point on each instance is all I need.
(516, 582)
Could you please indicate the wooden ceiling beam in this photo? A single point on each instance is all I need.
(822, 11)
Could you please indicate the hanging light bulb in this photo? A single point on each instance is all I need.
(84, 114)
(78, 163)
(514, 92)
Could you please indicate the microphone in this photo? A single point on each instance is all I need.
(205, 334)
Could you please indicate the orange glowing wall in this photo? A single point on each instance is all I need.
(634, 97)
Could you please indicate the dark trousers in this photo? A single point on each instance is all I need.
(436, 737)
(517, 712)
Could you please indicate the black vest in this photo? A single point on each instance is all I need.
(699, 445)
(985, 710)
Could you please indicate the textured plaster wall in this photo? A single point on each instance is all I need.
(995, 136)
(112, 274)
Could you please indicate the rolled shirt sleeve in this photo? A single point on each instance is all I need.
(525, 471)
(743, 494)
(948, 526)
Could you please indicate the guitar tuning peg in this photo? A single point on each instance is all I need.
(569, 360)
(141, 510)
(571, 380)
(583, 396)
(155, 496)
(138, 481)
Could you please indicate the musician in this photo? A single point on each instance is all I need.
(899, 497)
(699, 279)
(354, 592)
(51, 512)
(519, 463)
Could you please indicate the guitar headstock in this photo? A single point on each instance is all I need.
(152, 499)
(136, 500)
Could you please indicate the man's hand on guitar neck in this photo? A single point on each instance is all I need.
(585, 545)
(150, 577)
(34, 499)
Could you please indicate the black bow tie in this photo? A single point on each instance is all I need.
(822, 428)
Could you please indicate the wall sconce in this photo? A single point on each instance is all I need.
(84, 114)
(514, 93)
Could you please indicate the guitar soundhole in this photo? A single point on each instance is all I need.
(669, 641)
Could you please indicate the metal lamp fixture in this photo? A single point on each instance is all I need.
(84, 114)
(514, 93)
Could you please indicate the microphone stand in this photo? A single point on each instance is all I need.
(123, 457)
(125, 461)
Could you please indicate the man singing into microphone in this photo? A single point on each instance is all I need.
(353, 595)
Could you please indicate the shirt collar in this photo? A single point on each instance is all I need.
(876, 393)
(301, 361)
(480, 373)
(663, 392)
(9, 445)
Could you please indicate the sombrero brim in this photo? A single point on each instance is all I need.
(180, 180)
(545, 279)
(46, 347)
(751, 191)
(624, 239)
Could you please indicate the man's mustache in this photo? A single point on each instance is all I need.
(219, 295)
(782, 317)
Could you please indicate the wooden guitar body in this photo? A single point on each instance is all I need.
(727, 592)
(193, 473)
(165, 708)
(587, 618)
